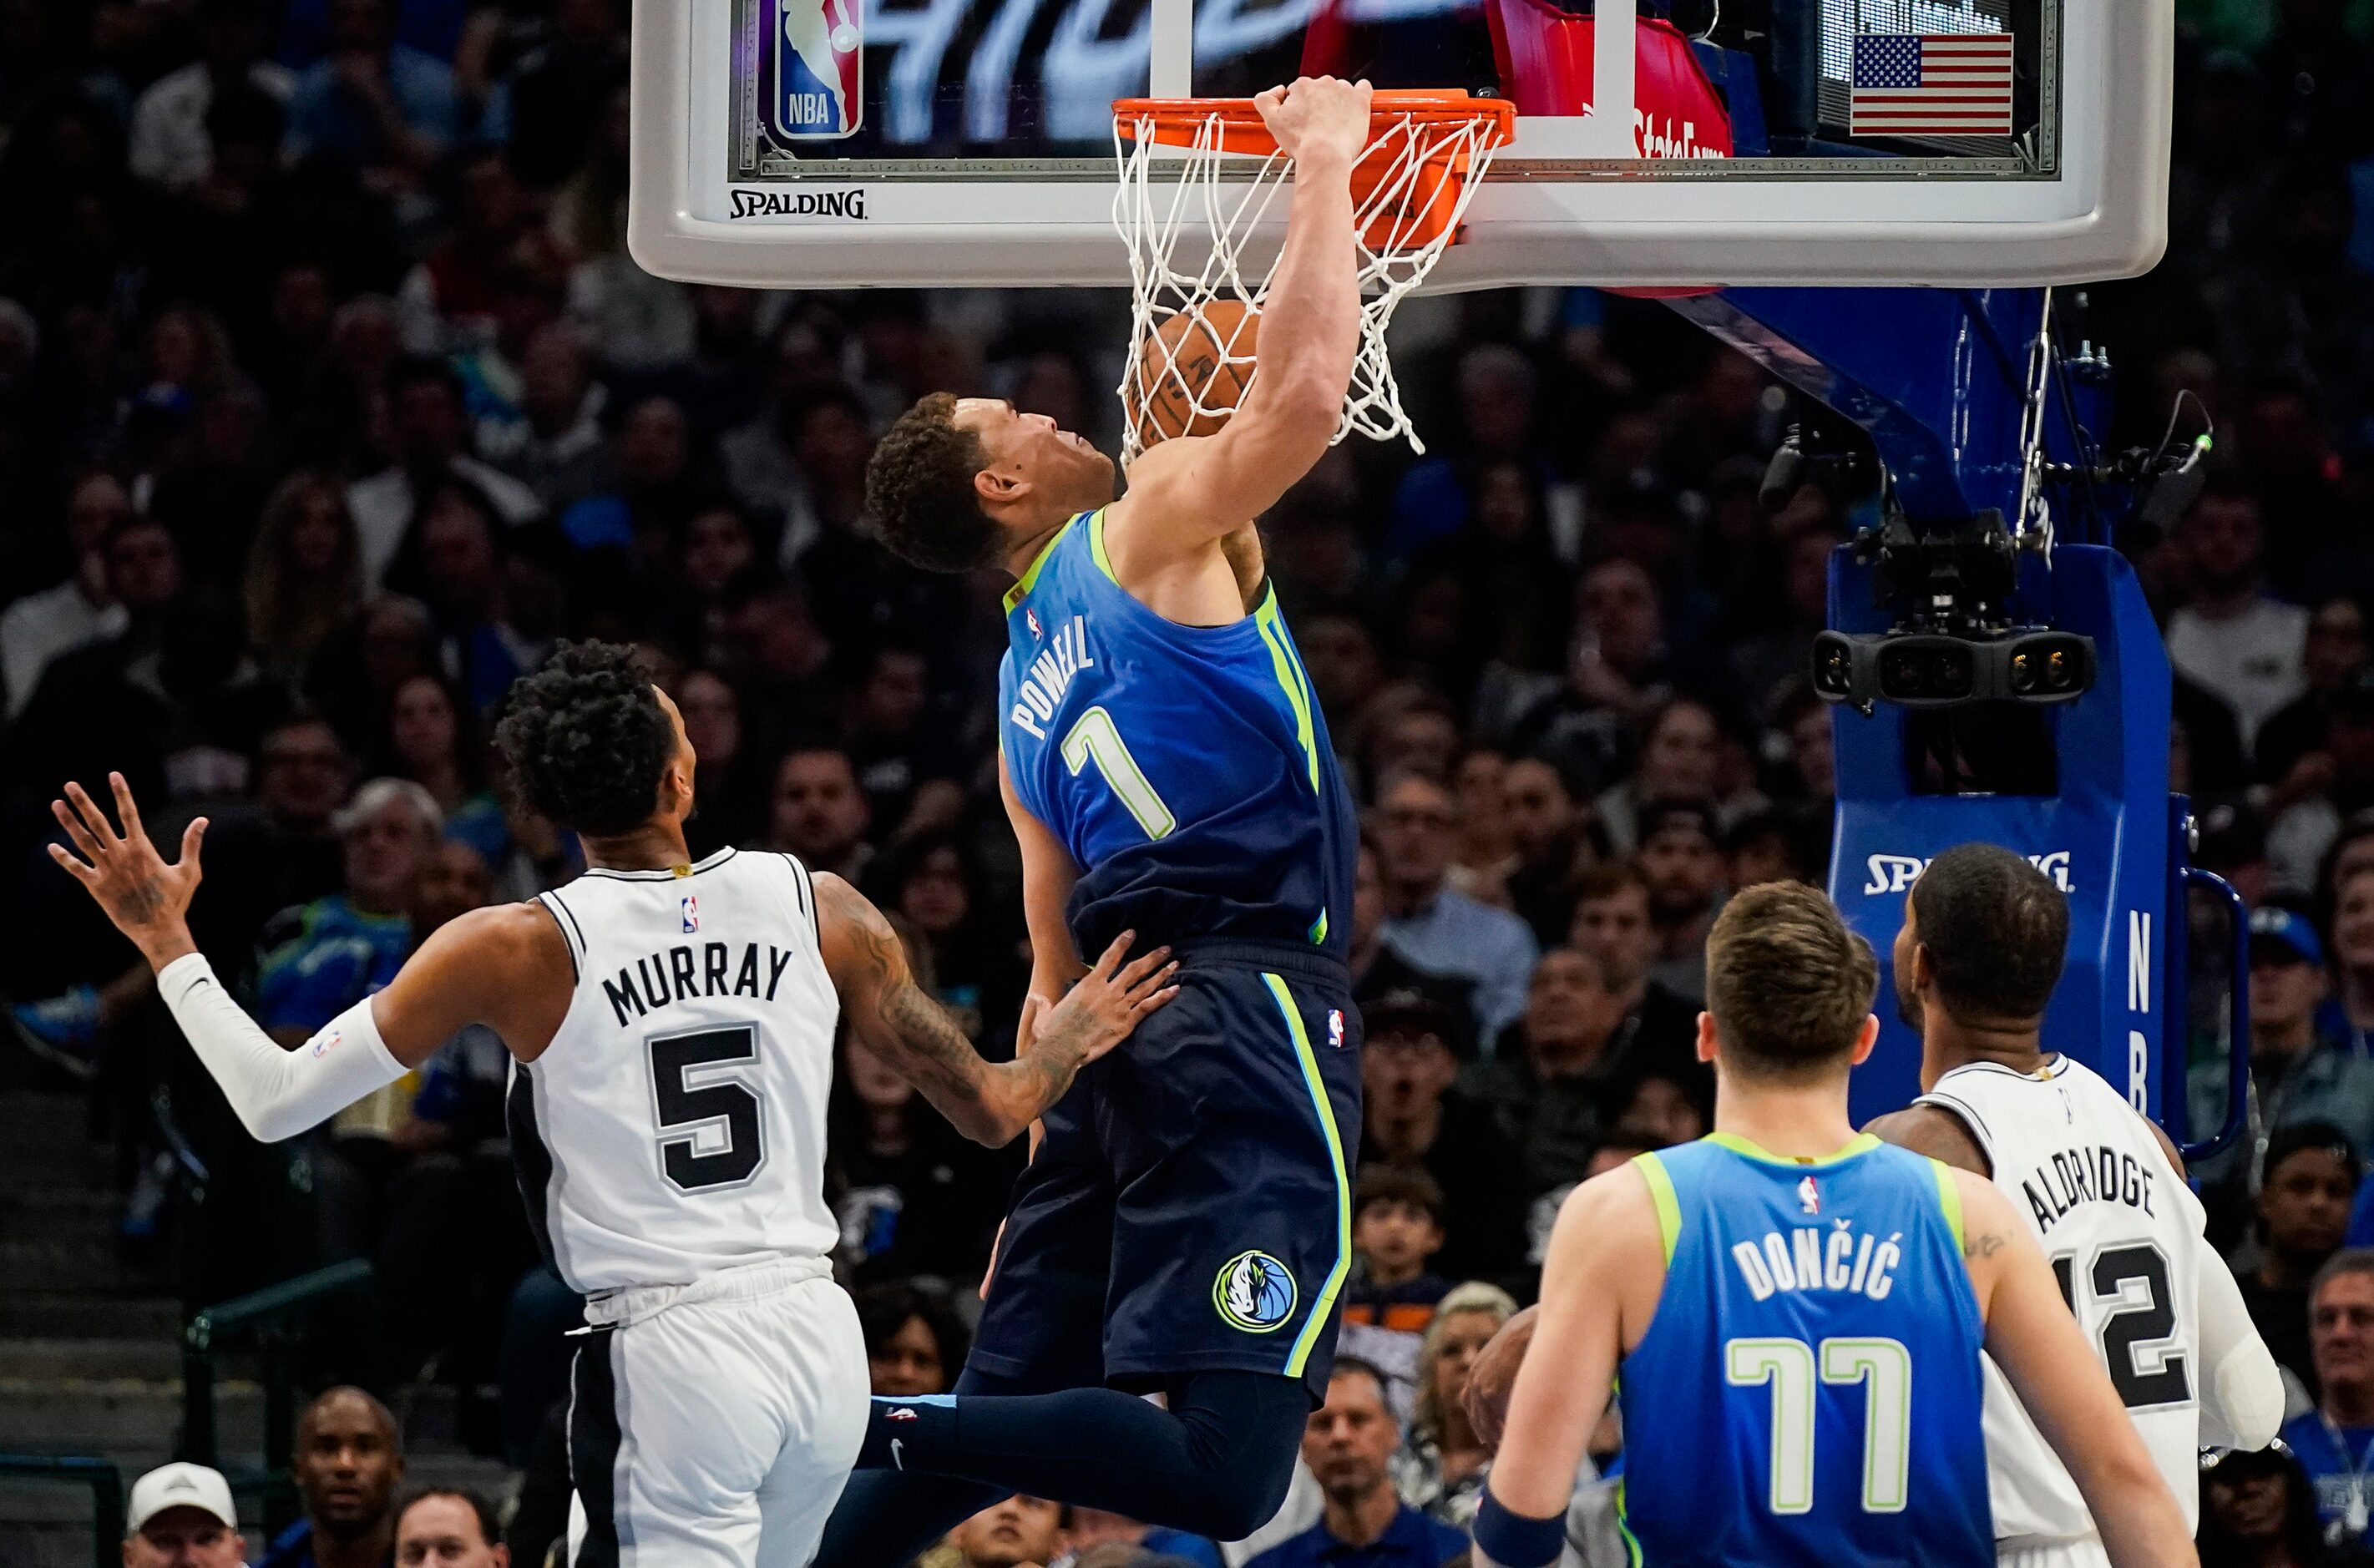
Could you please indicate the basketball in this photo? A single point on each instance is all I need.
(1194, 370)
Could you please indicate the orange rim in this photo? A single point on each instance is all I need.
(1178, 121)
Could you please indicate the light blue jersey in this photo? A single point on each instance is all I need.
(1808, 1392)
(1186, 769)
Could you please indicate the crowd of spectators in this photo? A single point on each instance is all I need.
(330, 399)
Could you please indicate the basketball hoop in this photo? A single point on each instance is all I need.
(1191, 220)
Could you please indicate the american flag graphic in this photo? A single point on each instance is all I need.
(1932, 85)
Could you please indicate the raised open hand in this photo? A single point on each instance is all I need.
(147, 898)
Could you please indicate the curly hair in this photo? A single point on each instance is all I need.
(919, 491)
(584, 740)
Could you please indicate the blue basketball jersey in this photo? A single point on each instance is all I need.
(1186, 769)
(1808, 1391)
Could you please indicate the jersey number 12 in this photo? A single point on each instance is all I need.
(1885, 1369)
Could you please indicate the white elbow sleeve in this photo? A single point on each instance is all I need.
(277, 1093)
(2243, 1398)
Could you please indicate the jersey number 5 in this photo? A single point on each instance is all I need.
(2132, 1282)
(1885, 1369)
(722, 1114)
(1093, 736)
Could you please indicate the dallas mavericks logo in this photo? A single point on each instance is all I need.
(1253, 1292)
(818, 47)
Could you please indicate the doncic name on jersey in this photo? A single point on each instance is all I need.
(683, 971)
(1035, 694)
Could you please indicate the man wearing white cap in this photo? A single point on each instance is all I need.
(181, 1516)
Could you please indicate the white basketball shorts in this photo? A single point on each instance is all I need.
(712, 1425)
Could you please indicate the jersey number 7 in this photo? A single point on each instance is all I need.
(1094, 736)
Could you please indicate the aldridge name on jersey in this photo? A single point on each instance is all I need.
(2097, 1174)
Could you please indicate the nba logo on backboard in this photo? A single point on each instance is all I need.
(818, 47)
(691, 914)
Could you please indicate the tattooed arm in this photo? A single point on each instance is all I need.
(990, 1103)
(2061, 1381)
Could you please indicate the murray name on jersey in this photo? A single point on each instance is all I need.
(1050, 676)
(689, 970)
(2057, 1185)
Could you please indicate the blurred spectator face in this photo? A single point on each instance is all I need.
(2279, 432)
(1417, 829)
(713, 718)
(1020, 1529)
(492, 207)
(384, 854)
(183, 1537)
(1419, 739)
(1395, 1239)
(1810, 742)
(1617, 605)
(457, 551)
(1368, 898)
(1459, 1338)
(453, 881)
(426, 422)
(2353, 917)
(358, 27)
(774, 638)
(1685, 870)
(1762, 856)
(302, 303)
(1680, 755)
(1663, 1113)
(346, 1465)
(876, 1085)
(1569, 1010)
(1504, 502)
(303, 777)
(2340, 1331)
(395, 643)
(443, 1532)
(422, 728)
(554, 378)
(892, 701)
(1342, 659)
(1404, 1073)
(819, 811)
(2336, 644)
(2304, 1205)
(1348, 1441)
(144, 569)
(2285, 991)
(655, 443)
(831, 443)
(907, 1365)
(318, 532)
(935, 894)
(1617, 931)
(97, 507)
(1541, 811)
(2221, 542)
(2251, 1506)
(716, 545)
(1482, 781)
(1495, 398)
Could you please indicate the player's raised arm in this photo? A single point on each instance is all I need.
(1186, 493)
(2040, 1349)
(990, 1103)
(1605, 1246)
(279, 1093)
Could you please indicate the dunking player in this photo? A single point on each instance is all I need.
(671, 1026)
(2096, 1185)
(1797, 1313)
(1184, 1224)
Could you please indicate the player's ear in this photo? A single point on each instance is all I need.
(1000, 487)
(1865, 1038)
(1706, 1037)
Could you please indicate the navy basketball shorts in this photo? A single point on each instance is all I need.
(1189, 1208)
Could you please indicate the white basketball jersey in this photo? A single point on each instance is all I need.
(674, 1126)
(2120, 1231)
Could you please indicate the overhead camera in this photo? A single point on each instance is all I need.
(1953, 642)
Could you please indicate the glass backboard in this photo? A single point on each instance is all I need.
(835, 143)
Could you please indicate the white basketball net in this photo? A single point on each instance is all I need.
(1188, 216)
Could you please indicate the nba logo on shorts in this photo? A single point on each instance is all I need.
(1253, 1292)
(691, 914)
(818, 47)
(1335, 1027)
